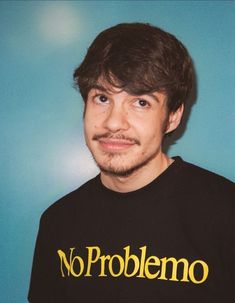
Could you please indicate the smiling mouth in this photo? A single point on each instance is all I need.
(118, 143)
(115, 144)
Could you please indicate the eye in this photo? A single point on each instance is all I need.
(142, 103)
(101, 99)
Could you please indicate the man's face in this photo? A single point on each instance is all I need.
(124, 132)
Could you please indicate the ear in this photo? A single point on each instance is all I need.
(174, 119)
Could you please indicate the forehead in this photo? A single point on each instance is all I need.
(111, 85)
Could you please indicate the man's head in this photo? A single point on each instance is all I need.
(134, 80)
(138, 58)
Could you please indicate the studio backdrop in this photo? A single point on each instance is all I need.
(42, 149)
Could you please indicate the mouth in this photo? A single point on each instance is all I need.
(112, 144)
(115, 144)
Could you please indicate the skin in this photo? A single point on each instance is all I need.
(124, 134)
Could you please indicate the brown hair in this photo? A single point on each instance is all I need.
(138, 58)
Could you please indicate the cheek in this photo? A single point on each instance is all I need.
(152, 136)
(91, 126)
(87, 127)
(89, 119)
(93, 119)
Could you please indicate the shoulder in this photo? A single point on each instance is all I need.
(70, 203)
(205, 197)
(200, 176)
(204, 184)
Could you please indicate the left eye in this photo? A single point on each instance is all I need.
(102, 99)
(142, 103)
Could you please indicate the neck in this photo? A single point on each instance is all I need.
(138, 178)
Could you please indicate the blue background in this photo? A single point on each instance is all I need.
(42, 149)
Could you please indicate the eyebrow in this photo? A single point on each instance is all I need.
(99, 87)
(153, 96)
(102, 88)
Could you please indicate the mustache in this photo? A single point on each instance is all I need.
(118, 137)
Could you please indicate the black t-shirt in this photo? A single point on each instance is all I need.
(170, 241)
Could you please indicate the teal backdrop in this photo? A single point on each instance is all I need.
(42, 150)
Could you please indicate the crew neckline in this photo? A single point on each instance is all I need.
(158, 181)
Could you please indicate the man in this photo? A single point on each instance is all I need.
(149, 228)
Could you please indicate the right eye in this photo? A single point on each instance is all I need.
(101, 99)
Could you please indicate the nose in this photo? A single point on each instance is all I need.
(116, 119)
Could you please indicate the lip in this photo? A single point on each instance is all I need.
(115, 144)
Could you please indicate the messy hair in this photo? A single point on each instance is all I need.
(138, 58)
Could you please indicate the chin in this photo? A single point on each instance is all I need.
(121, 170)
(122, 165)
(125, 172)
